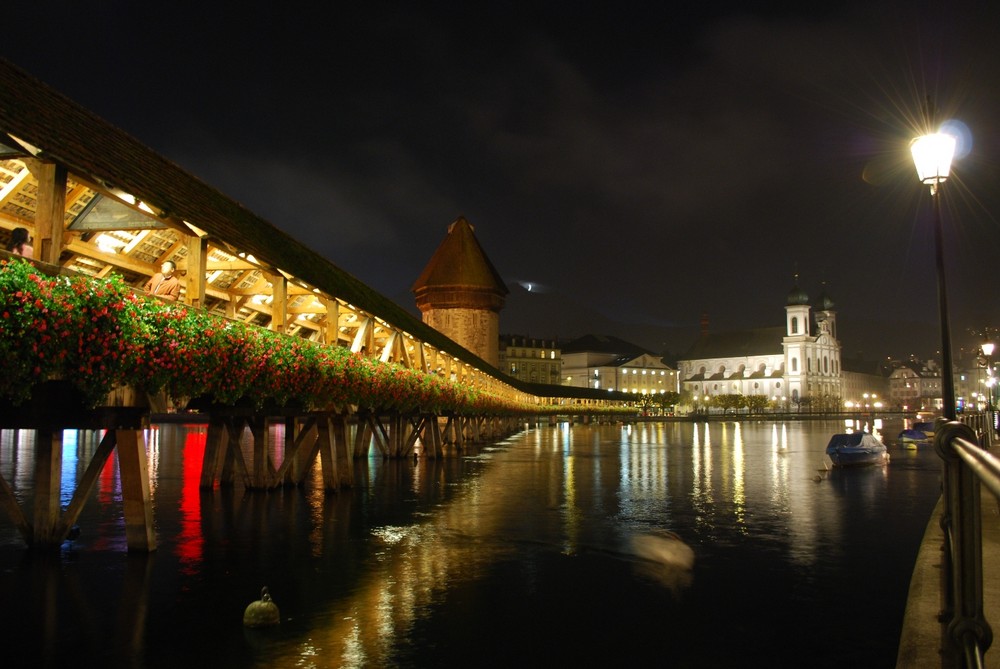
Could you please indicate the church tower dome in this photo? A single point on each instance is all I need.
(797, 296)
(460, 293)
(797, 311)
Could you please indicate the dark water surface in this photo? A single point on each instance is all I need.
(552, 548)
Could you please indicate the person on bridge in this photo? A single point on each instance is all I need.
(164, 284)
(20, 243)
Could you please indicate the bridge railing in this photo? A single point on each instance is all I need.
(967, 465)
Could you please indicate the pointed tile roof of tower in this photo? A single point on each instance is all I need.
(460, 262)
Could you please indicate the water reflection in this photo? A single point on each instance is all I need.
(652, 510)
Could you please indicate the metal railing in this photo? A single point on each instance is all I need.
(967, 463)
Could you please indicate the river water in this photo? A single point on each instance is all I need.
(675, 544)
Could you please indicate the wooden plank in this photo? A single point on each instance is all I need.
(140, 534)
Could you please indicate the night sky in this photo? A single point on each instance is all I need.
(637, 164)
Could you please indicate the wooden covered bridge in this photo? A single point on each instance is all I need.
(99, 204)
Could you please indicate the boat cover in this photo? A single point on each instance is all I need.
(853, 440)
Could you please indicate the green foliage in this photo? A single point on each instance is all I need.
(730, 401)
(757, 403)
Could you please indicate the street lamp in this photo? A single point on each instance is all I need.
(932, 156)
(987, 348)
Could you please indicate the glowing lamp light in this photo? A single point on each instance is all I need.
(932, 155)
(987, 347)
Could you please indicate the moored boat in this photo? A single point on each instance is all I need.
(920, 433)
(855, 449)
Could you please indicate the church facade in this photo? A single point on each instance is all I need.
(795, 364)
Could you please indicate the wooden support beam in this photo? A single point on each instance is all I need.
(331, 330)
(87, 482)
(136, 501)
(215, 446)
(263, 468)
(117, 260)
(362, 438)
(327, 453)
(234, 460)
(416, 424)
(9, 504)
(279, 302)
(364, 338)
(345, 463)
(229, 265)
(48, 479)
(379, 434)
(197, 255)
(50, 210)
(299, 450)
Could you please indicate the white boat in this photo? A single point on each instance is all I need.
(855, 449)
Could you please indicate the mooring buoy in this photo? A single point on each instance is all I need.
(262, 613)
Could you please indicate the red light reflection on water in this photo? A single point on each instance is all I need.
(109, 485)
(190, 541)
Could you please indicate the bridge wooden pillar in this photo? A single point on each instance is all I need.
(263, 467)
(48, 479)
(136, 501)
(342, 451)
(327, 454)
(305, 451)
(56, 406)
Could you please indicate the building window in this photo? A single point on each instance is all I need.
(795, 325)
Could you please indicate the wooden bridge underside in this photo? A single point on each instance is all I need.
(336, 439)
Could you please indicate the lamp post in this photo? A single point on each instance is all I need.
(987, 348)
(932, 156)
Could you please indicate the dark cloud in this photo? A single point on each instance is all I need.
(646, 167)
